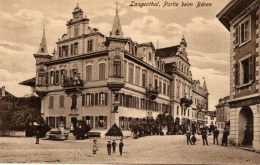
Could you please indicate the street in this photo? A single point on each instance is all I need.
(152, 149)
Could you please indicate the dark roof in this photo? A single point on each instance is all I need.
(30, 82)
(167, 52)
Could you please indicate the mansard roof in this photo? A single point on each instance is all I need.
(30, 82)
(167, 52)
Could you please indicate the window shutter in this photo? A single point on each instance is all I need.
(252, 68)
(237, 74)
(106, 99)
(96, 98)
(105, 122)
(83, 99)
(96, 122)
(92, 99)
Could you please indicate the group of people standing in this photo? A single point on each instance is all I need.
(109, 147)
(191, 139)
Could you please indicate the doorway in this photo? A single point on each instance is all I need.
(246, 126)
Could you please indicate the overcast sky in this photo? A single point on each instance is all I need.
(208, 40)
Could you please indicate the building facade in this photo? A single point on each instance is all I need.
(222, 113)
(106, 80)
(241, 18)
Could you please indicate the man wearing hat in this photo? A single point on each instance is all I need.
(109, 147)
(95, 148)
(121, 144)
(114, 146)
(215, 135)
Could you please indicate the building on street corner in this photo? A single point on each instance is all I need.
(223, 113)
(241, 18)
(105, 80)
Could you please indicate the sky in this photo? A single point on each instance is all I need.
(208, 40)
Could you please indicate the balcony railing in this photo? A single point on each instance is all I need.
(72, 84)
(152, 92)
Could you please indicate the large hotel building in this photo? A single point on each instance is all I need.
(106, 80)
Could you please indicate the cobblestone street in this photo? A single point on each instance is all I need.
(153, 149)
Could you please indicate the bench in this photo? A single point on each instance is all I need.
(94, 134)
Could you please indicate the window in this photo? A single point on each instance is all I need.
(41, 77)
(102, 99)
(52, 78)
(117, 68)
(178, 89)
(90, 46)
(160, 86)
(47, 78)
(74, 102)
(242, 32)
(245, 31)
(150, 56)
(102, 68)
(144, 79)
(101, 122)
(164, 88)
(88, 72)
(89, 121)
(89, 99)
(131, 73)
(57, 77)
(65, 51)
(76, 30)
(75, 48)
(71, 49)
(51, 102)
(61, 101)
(245, 70)
(137, 75)
(63, 75)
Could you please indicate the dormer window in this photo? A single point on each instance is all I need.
(42, 50)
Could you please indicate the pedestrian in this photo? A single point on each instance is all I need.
(95, 148)
(121, 144)
(37, 135)
(188, 137)
(193, 139)
(225, 137)
(204, 136)
(215, 135)
(109, 147)
(114, 146)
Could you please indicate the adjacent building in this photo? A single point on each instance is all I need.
(223, 113)
(105, 80)
(241, 18)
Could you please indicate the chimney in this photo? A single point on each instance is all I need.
(3, 91)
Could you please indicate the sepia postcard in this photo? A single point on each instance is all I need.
(130, 81)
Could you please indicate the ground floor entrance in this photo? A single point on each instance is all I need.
(246, 125)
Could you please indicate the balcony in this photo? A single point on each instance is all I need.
(186, 102)
(152, 92)
(72, 85)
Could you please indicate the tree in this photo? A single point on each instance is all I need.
(169, 123)
(114, 131)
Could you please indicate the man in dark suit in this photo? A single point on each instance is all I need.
(215, 135)
(204, 136)
(225, 137)
(121, 144)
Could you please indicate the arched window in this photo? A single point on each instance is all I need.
(102, 71)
